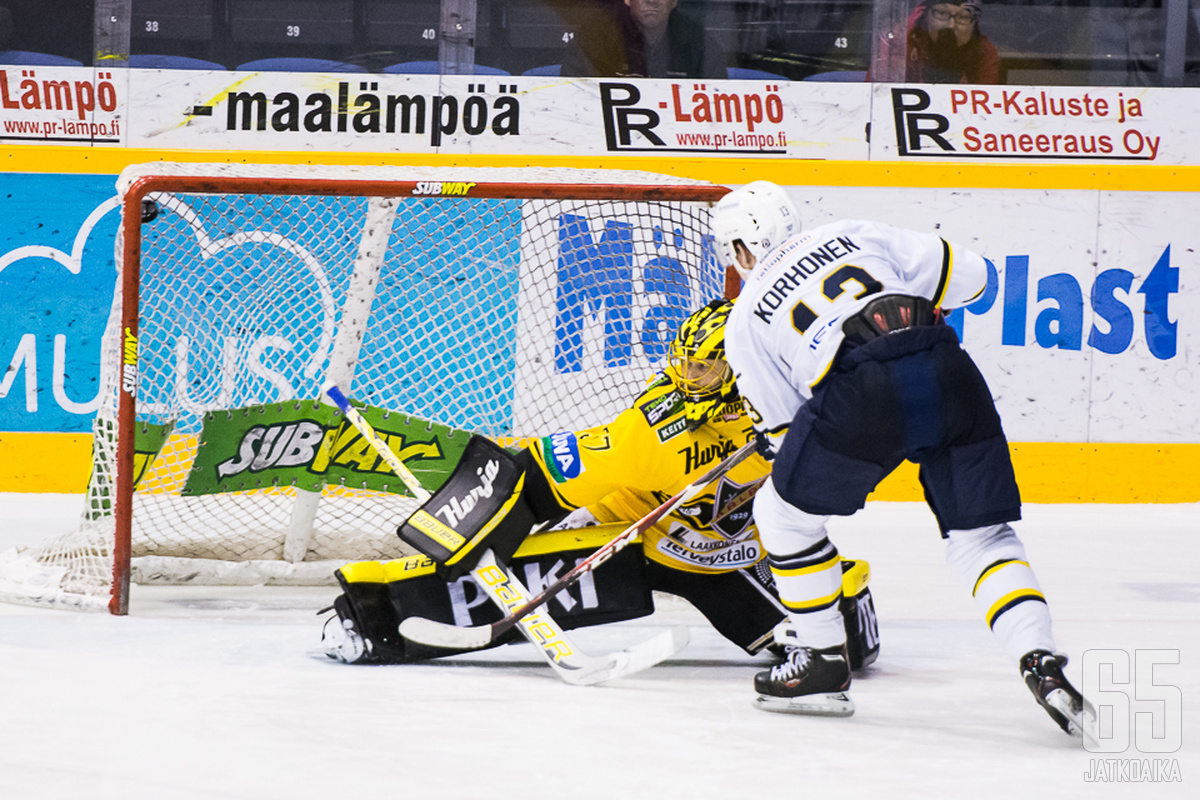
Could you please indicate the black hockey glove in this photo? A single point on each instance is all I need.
(767, 444)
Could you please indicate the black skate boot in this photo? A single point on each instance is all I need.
(1042, 671)
(812, 682)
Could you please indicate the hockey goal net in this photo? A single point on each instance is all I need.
(512, 303)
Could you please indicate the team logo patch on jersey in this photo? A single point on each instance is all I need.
(731, 412)
(671, 429)
(690, 547)
(562, 456)
(659, 408)
(734, 523)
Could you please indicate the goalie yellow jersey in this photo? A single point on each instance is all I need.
(621, 471)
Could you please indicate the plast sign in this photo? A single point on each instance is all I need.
(1116, 298)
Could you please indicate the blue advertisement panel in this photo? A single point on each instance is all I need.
(245, 297)
(57, 277)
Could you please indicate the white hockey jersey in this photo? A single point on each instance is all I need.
(786, 326)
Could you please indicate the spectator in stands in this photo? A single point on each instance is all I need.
(648, 39)
(945, 44)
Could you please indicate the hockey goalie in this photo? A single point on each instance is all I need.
(576, 491)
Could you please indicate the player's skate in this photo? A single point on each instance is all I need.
(812, 682)
(341, 640)
(1042, 671)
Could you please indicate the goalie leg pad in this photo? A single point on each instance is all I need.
(744, 607)
(618, 592)
(479, 507)
(858, 614)
(739, 604)
(378, 596)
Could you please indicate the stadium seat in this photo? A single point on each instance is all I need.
(431, 68)
(172, 21)
(840, 76)
(298, 65)
(31, 59)
(292, 23)
(154, 61)
(541, 24)
(412, 68)
(553, 70)
(826, 34)
(415, 25)
(742, 74)
(740, 26)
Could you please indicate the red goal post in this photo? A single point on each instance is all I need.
(510, 302)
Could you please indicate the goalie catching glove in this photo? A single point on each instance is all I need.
(483, 505)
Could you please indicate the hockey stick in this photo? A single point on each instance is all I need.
(571, 664)
(440, 634)
(376, 441)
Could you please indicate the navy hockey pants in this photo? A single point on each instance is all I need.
(913, 394)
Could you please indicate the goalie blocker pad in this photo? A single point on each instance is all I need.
(480, 506)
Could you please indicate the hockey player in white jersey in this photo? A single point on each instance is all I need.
(839, 349)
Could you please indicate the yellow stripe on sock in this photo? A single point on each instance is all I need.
(1001, 605)
(810, 570)
(992, 570)
(814, 605)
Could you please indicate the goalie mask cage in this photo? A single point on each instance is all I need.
(509, 302)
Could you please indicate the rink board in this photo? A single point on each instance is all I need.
(1085, 332)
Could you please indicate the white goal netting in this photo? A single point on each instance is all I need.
(511, 303)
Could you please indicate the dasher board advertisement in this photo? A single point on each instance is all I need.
(1058, 124)
(497, 115)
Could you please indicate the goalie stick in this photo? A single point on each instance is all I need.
(568, 661)
(439, 634)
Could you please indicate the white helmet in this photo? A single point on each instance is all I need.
(760, 215)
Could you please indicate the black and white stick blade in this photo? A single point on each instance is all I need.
(449, 637)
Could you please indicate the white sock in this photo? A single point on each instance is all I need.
(991, 563)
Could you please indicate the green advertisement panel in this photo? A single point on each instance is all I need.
(308, 445)
(148, 441)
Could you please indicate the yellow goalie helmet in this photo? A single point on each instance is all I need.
(696, 363)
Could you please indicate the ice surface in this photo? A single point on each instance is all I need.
(213, 692)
